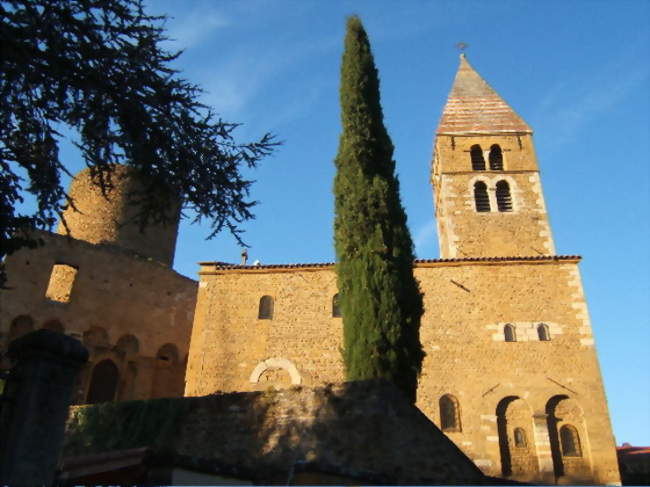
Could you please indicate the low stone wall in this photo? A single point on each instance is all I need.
(364, 430)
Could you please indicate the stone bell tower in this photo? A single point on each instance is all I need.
(487, 190)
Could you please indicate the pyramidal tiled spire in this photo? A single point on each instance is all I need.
(473, 107)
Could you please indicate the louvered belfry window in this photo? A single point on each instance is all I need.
(504, 199)
(496, 158)
(481, 197)
(478, 162)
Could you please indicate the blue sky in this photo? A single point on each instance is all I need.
(577, 72)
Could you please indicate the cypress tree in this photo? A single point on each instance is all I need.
(380, 299)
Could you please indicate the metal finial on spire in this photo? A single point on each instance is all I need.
(461, 46)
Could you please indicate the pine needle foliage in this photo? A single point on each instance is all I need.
(99, 69)
(380, 299)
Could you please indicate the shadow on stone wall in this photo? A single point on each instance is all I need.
(365, 431)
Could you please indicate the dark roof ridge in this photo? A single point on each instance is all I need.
(532, 258)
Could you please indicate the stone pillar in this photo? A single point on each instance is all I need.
(35, 406)
(543, 447)
(146, 367)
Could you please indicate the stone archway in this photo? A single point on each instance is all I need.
(103, 383)
(270, 369)
(515, 430)
(570, 458)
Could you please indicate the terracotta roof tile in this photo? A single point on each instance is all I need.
(474, 107)
(537, 258)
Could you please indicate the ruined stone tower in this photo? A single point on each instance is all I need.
(488, 195)
(111, 218)
(109, 284)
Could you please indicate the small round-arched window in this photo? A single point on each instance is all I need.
(167, 354)
(266, 308)
(336, 308)
(449, 413)
(504, 199)
(127, 345)
(476, 154)
(543, 332)
(520, 438)
(481, 198)
(570, 441)
(96, 337)
(509, 333)
(496, 158)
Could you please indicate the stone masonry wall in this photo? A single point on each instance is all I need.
(463, 231)
(363, 430)
(110, 218)
(229, 341)
(467, 304)
(130, 310)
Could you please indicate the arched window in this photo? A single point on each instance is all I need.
(266, 308)
(127, 345)
(543, 332)
(167, 354)
(481, 196)
(496, 158)
(509, 333)
(336, 310)
(504, 200)
(449, 413)
(478, 162)
(103, 383)
(520, 438)
(95, 338)
(570, 441)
